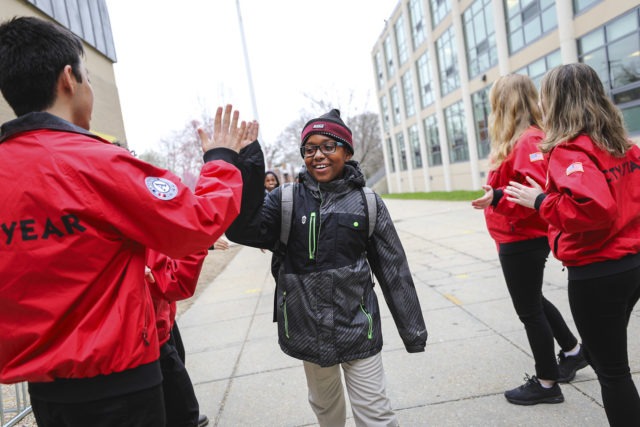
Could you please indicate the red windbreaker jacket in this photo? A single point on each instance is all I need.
(592, 203)
(507, 221)
(78, 214)
(175, 280)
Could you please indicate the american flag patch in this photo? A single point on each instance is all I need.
(574, 167)
(536, 157)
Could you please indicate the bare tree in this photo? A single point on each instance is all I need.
(155, 158)
(367, 142)
(284, 153)
(180, 152)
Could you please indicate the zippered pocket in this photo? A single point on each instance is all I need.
(283, 307)
(312, 236)
(556, 242)
(369, 319)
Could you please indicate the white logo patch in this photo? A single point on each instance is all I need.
(318, 126)
(304, 219)
(162, 188)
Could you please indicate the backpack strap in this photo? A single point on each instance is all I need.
(286, 209)
(372, 208)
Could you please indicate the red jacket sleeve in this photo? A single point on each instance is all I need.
(175, 279)
(150, 205)
(578, 197)
(526, 159)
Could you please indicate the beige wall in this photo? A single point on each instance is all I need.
(107, 115)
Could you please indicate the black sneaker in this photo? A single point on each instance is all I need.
(203, 420)
(532, 393)
(569, 365)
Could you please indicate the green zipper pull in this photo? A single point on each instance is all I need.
(284, 312)
(369, 318)
(312, 235)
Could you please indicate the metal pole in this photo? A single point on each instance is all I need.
(248, 66)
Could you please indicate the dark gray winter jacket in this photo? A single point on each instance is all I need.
(327, 310)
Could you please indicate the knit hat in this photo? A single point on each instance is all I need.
(329, 124)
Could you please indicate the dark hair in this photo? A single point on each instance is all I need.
(33, 53)
(274, 175)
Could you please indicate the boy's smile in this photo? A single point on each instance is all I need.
(325, 167)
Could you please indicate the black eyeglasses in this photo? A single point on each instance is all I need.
(328, 147)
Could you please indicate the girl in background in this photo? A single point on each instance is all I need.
(591, 202)
(521, 238)
(271, 181)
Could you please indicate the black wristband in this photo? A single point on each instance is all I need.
(538, 201)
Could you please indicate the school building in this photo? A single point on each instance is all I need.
(436, 60)
(90, 21)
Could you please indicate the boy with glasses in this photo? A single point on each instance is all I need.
(326, 308)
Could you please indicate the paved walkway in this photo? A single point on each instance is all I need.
(477, 348)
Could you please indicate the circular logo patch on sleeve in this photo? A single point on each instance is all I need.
(162, 188)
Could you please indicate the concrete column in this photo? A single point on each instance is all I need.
(466, 96)
(566, 32)
(442, 129)
(502, 44)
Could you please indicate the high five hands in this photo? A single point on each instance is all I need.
(227, 133)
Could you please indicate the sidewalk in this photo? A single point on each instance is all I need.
(476, 349)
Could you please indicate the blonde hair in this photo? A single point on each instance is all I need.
(514, 108)
(574, 102)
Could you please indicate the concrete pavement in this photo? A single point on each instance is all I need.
(476, 350)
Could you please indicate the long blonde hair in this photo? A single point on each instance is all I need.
(514, 108)
(574, 102)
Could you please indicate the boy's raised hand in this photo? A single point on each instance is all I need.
(252, 133)
(226, 132)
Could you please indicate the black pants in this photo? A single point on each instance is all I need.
(141, 409)
(523, 273)
(601, 308)
(181, 404)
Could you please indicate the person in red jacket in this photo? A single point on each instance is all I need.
(520, 235)
(170, 281)
(76, 317)
(591, 202)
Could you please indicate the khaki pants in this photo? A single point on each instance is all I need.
(366, 386)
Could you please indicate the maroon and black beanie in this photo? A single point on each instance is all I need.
(329, 124)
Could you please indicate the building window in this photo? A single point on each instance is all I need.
(613, 50)
(456, 133)
(425, 80)
(388, 53)
(392, 158)
(402, 151)
(528, 20)
(481, 110)
(395, 104)
(580, 6)
(439, 9)
(401, 41)
(379, 73)
(384, 106)
(480, 37)
(434, 156)
(537, 69)
(407, 90)
(414, 143)
(447, 62)
(416, 14)
(87, 19)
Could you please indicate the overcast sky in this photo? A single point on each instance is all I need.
(178, 58)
